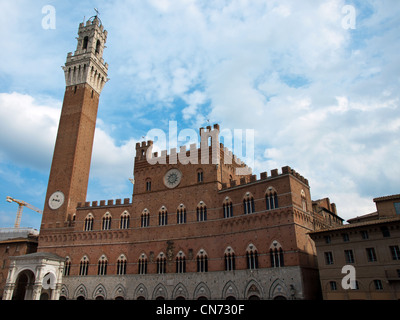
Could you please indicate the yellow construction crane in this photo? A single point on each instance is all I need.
(21, 205)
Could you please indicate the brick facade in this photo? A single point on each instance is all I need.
(215, 234)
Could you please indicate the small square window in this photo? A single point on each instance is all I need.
(328, 258)
(397, 207)
(378, 285)
(200, 176)
(327, 239)
(349, 256)
(364, 234)
(148, 185)
(371, 255)
(395, 251)
(385, 232)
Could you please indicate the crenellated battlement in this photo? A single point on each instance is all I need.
(104, 203)
(144, 144)
(208, 129)
(210, 151)
(209, 141)
(264, 176)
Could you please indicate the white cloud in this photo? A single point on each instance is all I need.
(194, 100)
(28, 128)
(321, 98)
(111, 167)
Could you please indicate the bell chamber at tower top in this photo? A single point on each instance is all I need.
(87, 65)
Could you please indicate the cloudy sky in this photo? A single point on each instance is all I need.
(319, 87)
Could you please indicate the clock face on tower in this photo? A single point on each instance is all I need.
(56, 200)
(172, 178)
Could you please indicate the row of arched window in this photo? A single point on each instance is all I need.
(276, 260)
(271, 201)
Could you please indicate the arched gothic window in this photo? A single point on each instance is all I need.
(102, 266)
(303, 201)
(276, 255)
(252, 257)
(202, 261)
(142, 264)
(229, 257)
(145, 218)
(248, 204)
(121, 265)
(162, 216)
(148, 184)
(98, 43)
(89, 222)
(85, 42)
(201, 211)
(180, 262)
(181, 214)
(125, 217)
(84, 266)
(161, 263)
(271, 199)
(106, 223)
(200, 177)
(67, 266)
(227, 208)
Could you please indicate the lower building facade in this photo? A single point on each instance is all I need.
(284, 283)
(226, 243)
(361, 260)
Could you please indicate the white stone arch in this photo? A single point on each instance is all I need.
(119, 291)
(229, 250)
(161, 256)
(107, 215)
(160, 292)
(64, 292)
(201, 252)
(278, 289)
(100, 291)
(180, 254)
(230, 290)
(201, 290)
(270, 190)
(253, 289)
(19, 270)
(126, 213)
(35, 268)
(180, 291)
(248, 195)
(24, 282)
(140, 291)
(81, 291)
(251, 248)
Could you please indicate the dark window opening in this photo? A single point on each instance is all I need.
(85, 42)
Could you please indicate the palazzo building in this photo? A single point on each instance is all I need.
(370, 246)
(193, 229)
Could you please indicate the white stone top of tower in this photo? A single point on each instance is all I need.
(87, 65)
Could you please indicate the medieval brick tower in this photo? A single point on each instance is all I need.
(85, 77)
